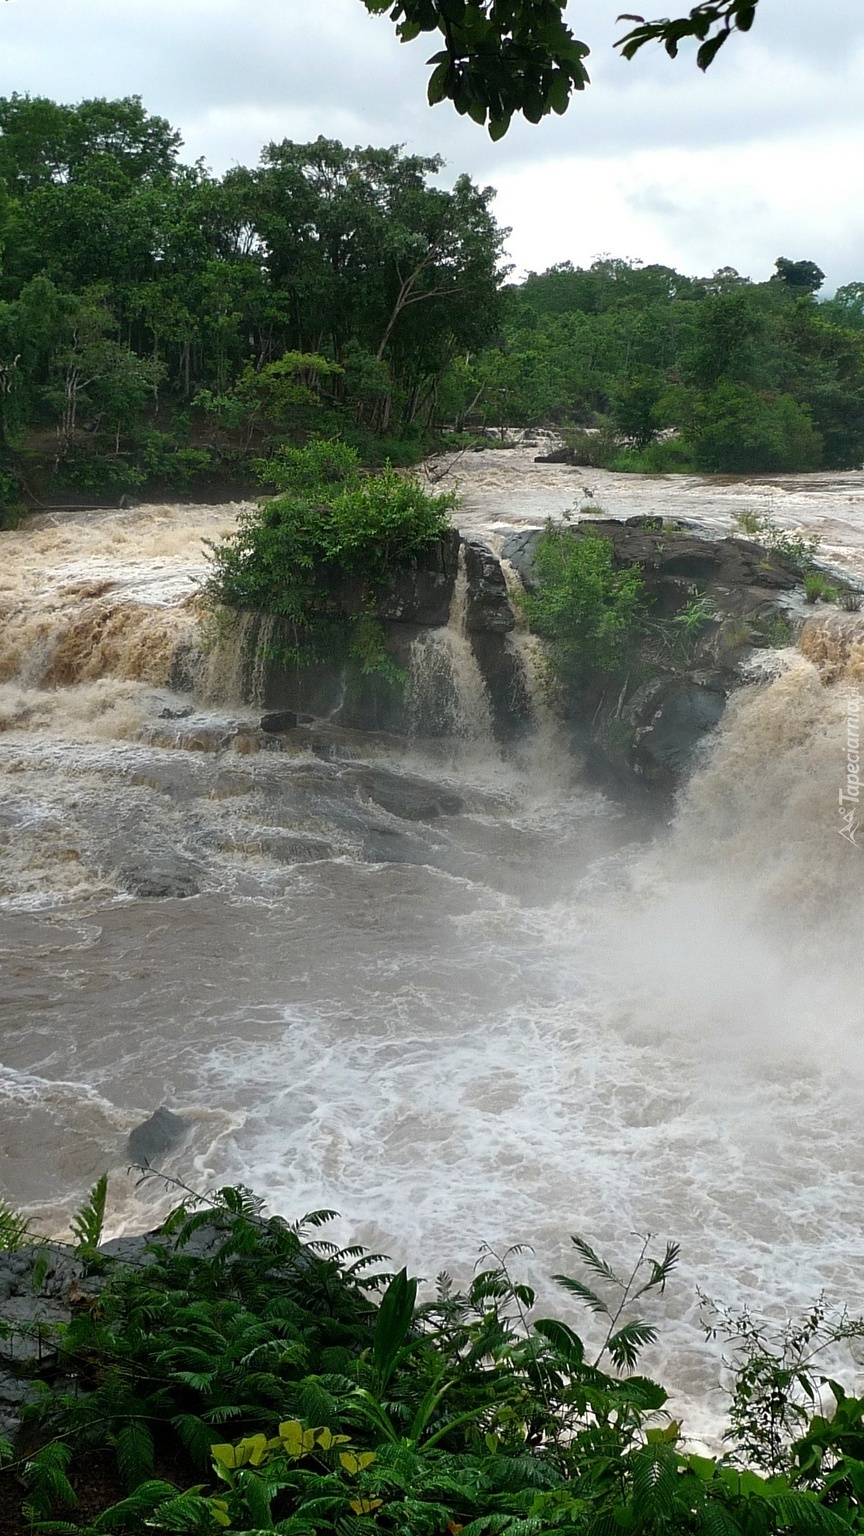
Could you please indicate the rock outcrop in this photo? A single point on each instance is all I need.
(644, 725)
(41, 1285)
(418, 600)
(639, 728)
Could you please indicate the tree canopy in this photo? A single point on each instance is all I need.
(501, 57)
(159, 325)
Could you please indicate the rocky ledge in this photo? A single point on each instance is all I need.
(643, 726)
(712, 603)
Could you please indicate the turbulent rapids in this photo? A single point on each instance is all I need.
(449, 989)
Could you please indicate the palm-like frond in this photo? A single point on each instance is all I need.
(592, 1260)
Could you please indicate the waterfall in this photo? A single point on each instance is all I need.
(237, 657)
(447, 695)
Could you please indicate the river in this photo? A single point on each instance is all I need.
(508, 1022)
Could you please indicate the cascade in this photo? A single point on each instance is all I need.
(447, 695)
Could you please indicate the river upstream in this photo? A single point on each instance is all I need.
(505, 1022)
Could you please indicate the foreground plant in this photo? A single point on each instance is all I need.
(252, 1377)
(584, 605)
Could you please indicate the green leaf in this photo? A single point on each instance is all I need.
(14, 1232)
(708, 51)
(592, 1260)
(627, 1343)
(562, 1338)
(576, 1288)
(87, 1223)
(393, 1322)
(133, 1445)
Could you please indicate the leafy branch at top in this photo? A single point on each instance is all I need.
(710, 23)
(502, 57)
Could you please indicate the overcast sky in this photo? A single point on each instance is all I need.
(762, 157)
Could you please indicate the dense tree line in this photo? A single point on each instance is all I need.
(160, 326)
(153, 314)
(716, 374)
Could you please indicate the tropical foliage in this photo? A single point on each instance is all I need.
(161, 327)
(582, 603)
(250, 1376)
(319, 554)
(151, 313)
(668, 372)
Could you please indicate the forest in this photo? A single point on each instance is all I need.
(162, 328)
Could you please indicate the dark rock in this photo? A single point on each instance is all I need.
(408, 798)
(650, 736)
(388, 846)
(557, 456)
(681, 551)
(680, 714)
(279, 720)
(519, 550)
(489, 606)
(421, 591)
(504, 676)
(159, 876)
(297, 849)
(155, 1137)
(176, 714)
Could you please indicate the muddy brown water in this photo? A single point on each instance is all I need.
(502, 1022)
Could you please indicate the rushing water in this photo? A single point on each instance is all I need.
(505, 1022)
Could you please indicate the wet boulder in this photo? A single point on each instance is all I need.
(488, 606)
(410, 799)
(278, 720)
(154, 1138)
(159, 876)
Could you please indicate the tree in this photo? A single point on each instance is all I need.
(506, 56)
(802, 277)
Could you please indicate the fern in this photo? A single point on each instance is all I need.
(655, 1483)
(133, 1445)
(87, 1223)
(14, 1232)
(143, 1502)
(49, 1485)
(592, 1261)
(625, 1345)
(584, 1293)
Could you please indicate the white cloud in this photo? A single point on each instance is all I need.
(758, 158)
(695, 209)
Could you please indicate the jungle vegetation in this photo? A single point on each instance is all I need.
(167, 330)
(238, 1373)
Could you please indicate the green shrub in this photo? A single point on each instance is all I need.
(668, 456)
(178, 465)
(733, 429)
(268, 1381)
(798, 548)
(322, 462)
(584, 605)
(818, 588)
(593, 450)
(12, 507)
(291, 556)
